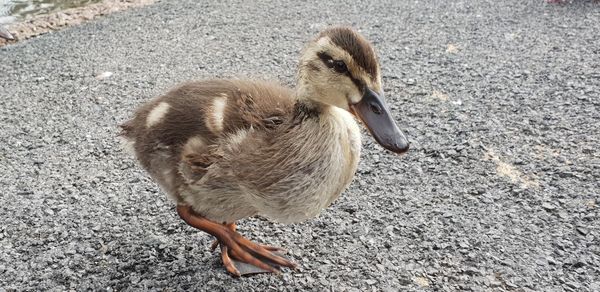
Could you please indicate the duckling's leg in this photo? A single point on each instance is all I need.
(230, 226)
(233, 227)
(235, 245)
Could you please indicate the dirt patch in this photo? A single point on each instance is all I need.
(42, 24)
(510, 171)
(438, 95)
(452, 49)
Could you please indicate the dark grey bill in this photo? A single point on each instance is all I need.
(371, 109)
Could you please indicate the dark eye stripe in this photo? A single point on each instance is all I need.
(324, 57)
(357, 82)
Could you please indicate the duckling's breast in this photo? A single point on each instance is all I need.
(320, 165)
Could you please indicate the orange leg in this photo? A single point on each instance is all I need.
(230, 226)
(233, 228)
(235, 245)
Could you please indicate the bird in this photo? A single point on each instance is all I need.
(5, 34)
(228, 149)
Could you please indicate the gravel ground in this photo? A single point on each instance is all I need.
(34, 25)
(500, 99)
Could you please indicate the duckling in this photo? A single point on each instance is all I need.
(5, 34)
(225, 150)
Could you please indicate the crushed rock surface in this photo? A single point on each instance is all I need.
(499, 192)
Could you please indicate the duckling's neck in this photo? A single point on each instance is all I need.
(306, 109)
(306, 103)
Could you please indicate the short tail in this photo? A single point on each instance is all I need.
(126, 129)
(127, 137)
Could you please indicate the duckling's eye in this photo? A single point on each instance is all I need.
(340, 67)
(337, 65)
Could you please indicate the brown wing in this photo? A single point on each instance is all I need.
(182, 130)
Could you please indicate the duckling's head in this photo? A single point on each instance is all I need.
(340, 68)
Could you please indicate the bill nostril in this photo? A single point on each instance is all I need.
(376, 109)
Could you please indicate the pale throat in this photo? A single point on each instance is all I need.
(306, 93)
(316, 98)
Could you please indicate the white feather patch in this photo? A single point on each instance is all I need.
(214, 119)
(157, 114)
(193, 144)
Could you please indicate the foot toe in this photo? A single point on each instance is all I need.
(228, 263)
